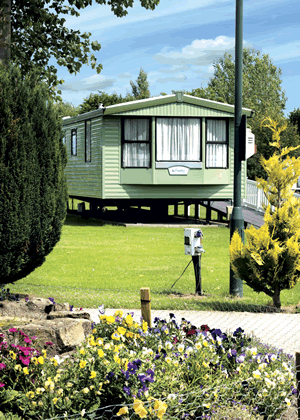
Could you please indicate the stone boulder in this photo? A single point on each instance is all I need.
(48, 322)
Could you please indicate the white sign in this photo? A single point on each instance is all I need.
(178, 170)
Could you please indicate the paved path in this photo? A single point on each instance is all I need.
(279, 330)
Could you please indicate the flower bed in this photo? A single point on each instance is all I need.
(170, 371)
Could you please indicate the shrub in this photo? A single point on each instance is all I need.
(33, 192)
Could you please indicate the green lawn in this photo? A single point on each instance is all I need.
(94, 264)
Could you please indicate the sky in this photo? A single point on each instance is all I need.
(177, 43)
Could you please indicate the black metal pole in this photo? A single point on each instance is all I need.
(237, 218)
(197, 268)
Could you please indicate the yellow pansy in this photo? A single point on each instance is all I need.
(161, 408)
(117, 359)
(82, 364)
(25, 370)
(110, 319)
(123, 410)
(54, 361)
(145, 326)
(55, 400)
(115, 336)
(139, 409)
(82, 351)
(93, 374)
(121, 330)
(30, 394)
(100, 353)
(12, 355)
(41, 360)
(119, 313)
(44, 353)
(85, 390)
(129, 320)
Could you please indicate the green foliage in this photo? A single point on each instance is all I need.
(65, 109)
(140, 90)
(294, 118)
(262, 92)
(32, 182)
(38, 34)
(270, 260)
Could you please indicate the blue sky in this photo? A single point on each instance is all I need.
(177, 43)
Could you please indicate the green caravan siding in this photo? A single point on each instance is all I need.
(84, 178)
(177, 110)
(112, 169)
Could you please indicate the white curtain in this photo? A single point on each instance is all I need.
(136, 154)
(178, 139)
(216, 154)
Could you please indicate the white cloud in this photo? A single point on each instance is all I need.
(201, 52)
(88, 84)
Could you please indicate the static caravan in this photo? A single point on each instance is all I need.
(153, 152)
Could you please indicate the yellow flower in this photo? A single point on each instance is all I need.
(117, 359)
(18, 367)
(123, 410)
(99, 341)
(145, 326)
(41, 360)
(100, 353)
(40, 403)
(110, 319)
(82, 351)
(54, 361)
(55, 400)
(115, 336)
(139, 409)
(93, 374)
(30, 394)
(129, 334)
(205, 365)
(121, 330)
(12, 355)
(161, 408)
(82, 364)
(33, 403)
(119, 313)
(25, 370)
(168, 359)
(44, 353)
(85, 390)
(205, 344)
(129, 320)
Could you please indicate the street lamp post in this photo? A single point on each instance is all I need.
(237, 218)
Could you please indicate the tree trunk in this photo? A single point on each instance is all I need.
(276, 296)
(5, 31)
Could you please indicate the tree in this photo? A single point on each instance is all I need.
(140, 90)
(270, 260)
(65, 109)
(5, 31)
(294, 118)
(94, 100)
(37, 34)
(33, 198)
(262, 92)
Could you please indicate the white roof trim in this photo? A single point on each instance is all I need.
(140, 101)
(170, 96)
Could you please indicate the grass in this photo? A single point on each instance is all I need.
(95, 263)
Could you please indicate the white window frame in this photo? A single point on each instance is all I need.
(217, 140)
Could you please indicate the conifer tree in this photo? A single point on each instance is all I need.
(33, 192)
(270, 260)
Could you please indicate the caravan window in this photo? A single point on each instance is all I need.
(88, 156)
(74, 142)
(136, 143)
(216, 143)
(178, 139)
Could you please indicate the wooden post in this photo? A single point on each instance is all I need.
(298, 382)
(208, 212)
(197, 211)
(146, 305)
